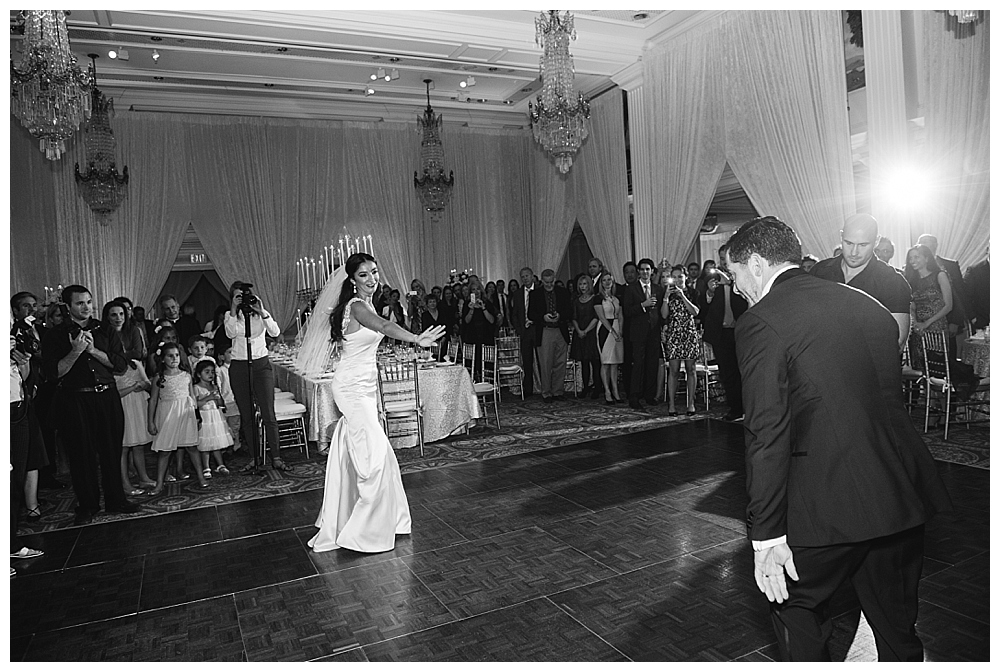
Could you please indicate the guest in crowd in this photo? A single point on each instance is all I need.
(478, 317)
(463, 295)
(492, 298)
(415, 304)
(449, 313)
(720, 308)
(857, 267)
(25, 341)
(549, 313)
(198, 347)
(231, 410)
(630, 274)
(436, 291)
(503, 306)
(213, 431)
(513, 287)
(595, 269)
(641, 306)
(931, 303)
(608, 310)
(433, 317)
(524, 327)
(393, 310)
(840, 484)
(682, 342)
(139, 317)
(584, 348)
(133, 333)
(261, 323)
(84, 359)
(693, 271)
(132, 385)
(382, 298)
(561, 285)
(27, 452)
(186, 325)
(172, 415)
(164, 334)
(956, 316)
(662, 278)
(977, 288)
(706, 271)
(808, 262)
(884, 250)
(48, 406)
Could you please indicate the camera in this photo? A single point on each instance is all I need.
(24, 337)
(248, 300)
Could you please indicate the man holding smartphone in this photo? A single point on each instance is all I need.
(549, 312)
(641, 306)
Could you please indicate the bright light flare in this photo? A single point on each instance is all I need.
(908, 188)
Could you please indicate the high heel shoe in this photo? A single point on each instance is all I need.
(34, 514)
(608, 401)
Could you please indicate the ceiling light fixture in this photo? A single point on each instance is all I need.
(395, 73)
(49, 92)
(559, 116)
(433, 188)
(100, 184)
(156, 56)
(369, 91)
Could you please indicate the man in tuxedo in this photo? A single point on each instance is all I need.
(520, 302)
(720, 307)
(956, 318)
(641, 305)
(857, 267)
(884, 250)
(630, 275)
(595, 269)
(549, 313)
(186, 325)
(840, 484)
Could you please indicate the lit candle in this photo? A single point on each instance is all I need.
(298, 320)
(313, 271)
(343, 259)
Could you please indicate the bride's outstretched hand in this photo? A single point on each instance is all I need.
(429, 336)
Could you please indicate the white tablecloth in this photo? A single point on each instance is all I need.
(446, 392)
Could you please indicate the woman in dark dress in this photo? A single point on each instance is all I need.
(584, 348)
(478, 317)
(434, 317)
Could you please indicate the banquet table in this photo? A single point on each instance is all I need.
(446, 392)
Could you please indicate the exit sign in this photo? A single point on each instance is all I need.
(198, 258)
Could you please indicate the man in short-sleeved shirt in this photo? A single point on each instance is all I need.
(858, 267)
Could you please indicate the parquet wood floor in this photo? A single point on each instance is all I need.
(624, 548)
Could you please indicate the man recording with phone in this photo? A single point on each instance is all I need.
(250, 373)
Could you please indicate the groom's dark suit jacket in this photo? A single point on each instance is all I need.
(832, 455)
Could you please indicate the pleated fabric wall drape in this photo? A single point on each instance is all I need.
(956, 60)
(55, 238)
(766, 91)
(600, 172)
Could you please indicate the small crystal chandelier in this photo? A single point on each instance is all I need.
(49, 92)
(965, 15)
(433, 188)
(559, 117)
(100, 185)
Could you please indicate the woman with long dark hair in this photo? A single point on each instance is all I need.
(364, 505)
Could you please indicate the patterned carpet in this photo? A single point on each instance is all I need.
(526, 426)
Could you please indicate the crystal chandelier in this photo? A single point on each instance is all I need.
(100, 185)
(49, 92)
(964, 15)
(434, 189)
(559, 117)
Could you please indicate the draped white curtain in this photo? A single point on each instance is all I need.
(553, 208)
(766, 91)
(381, 200)
(486, 225)
(685, 125)
(956, 60)
(787, 129)
(64, 242)
(599, 171)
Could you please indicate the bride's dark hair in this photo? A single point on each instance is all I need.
(346, 292)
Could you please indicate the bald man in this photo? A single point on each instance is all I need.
(858, 267)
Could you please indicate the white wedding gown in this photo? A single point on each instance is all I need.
(364, 505)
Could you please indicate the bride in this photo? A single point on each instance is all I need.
(364, 505)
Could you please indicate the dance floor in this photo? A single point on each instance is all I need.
(622, 548)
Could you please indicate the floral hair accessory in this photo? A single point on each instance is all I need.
(157, 330)
(159, 352)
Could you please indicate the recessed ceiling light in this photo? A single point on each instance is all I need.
(158, 78)
(156, 38)
(282, 49)
(639, 16)
(492, 69)
(394, 59)
(268, 84)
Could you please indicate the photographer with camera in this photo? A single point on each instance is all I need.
(250, 372)
(84, 359)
